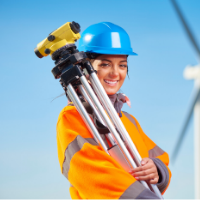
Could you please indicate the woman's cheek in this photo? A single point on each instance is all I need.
(124, 73)
(100, 74)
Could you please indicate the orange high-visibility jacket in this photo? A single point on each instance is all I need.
(94, 174)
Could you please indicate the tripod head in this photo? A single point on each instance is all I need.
(69, 62)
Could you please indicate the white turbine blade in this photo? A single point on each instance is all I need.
(186, 27)
(183, 132)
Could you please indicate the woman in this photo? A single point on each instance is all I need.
(93, 174)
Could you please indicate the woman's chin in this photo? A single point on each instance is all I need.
(111, 92)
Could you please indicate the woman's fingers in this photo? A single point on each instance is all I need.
(144, 168)
(145, 164)
(145, 161)
(147, 171)
(154, 181)
(144, 172)
(137, 169)
(147, 177)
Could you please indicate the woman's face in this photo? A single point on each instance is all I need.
(111, 71)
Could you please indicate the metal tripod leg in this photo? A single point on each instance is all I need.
(115, 118)
(87, 98)
(115, 151)
(108, 123)
(74, 97)
(113, 115)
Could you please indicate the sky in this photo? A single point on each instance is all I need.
(159, 94)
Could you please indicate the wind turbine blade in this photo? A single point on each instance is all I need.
(183, 132)
(186, 27)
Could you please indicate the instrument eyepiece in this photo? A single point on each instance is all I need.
(37, 53)
(76, 28)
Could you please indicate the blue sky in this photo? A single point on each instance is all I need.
(159, 94)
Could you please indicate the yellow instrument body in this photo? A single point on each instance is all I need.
(62, 36)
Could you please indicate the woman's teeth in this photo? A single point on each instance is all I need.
(111, 82)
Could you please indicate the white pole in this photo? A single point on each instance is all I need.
(193, 72)
(197, 144)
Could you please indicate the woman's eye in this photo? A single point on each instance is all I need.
(104, 65)
(123, 66)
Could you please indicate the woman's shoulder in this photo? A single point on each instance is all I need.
(68, 112)
(68, 108)
(71, 123)
(130, 117)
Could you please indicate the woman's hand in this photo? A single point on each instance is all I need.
(147, 171)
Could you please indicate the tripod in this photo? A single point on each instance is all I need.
(75, 73)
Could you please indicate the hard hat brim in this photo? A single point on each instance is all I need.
(113, 51)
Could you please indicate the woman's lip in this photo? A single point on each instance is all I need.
(111, 82)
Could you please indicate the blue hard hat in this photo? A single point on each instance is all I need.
(105, 38)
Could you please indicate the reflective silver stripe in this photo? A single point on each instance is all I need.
(130, 118)
(156, 151)
(70, 185)
(138, 191)
(75, 146)
(133, 191)
(147, 194)
(91, 141)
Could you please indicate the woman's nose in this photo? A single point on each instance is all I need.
(114, 71)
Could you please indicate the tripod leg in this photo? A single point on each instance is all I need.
(115, 118)
(109, 124)
(87, 98)
(113, 115)
(74, 97)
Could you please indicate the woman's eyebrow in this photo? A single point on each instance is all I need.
(105, 60)
(111, 61)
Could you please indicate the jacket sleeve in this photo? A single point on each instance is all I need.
(93, 174)
(160, 158)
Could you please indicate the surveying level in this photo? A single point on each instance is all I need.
(74, 71)
(66, 34)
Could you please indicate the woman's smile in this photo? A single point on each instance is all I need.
(111, 82)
